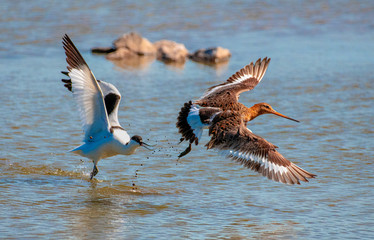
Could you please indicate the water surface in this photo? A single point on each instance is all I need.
(321, 73)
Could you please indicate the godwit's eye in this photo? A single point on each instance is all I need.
(266, 106)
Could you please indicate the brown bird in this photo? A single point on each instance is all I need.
(220, 111)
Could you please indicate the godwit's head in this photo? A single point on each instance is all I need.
(137, 140)
(264, 108)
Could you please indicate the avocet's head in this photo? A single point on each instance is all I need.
(266, 108)
(136, 139)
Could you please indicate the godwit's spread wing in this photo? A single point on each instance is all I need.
(112, 98)
(87, 94)
(227, 93)
(236, 141)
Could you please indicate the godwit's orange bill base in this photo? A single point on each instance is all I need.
(220, 111)
(98, 103)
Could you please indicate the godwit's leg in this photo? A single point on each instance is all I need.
(185, 152)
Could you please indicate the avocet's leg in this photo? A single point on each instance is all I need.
(94, 171)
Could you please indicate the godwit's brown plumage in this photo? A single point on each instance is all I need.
(219, 110)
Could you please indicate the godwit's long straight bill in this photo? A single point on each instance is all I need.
(284, 116)
(226, 118)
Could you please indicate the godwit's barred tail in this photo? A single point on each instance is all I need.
(98, 103)
(219, 110)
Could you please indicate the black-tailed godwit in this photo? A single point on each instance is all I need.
(220, 111)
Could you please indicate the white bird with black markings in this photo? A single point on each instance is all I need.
(98, 103)
(219, 110)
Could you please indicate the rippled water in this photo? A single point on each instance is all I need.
(321, 73)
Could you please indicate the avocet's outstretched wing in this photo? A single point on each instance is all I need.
(236, 141)
(228, 92)
(112, 98)
(87, 94)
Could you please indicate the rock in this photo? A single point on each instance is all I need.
(103, 50)
(120, 54)
(170, 51)
(135, 43)
(212, 55)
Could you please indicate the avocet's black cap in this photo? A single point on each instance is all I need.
(137, 139)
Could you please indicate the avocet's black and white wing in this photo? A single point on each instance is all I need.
(112, 98)
(87, 94)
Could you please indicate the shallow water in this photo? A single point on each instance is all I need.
(321, 73)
